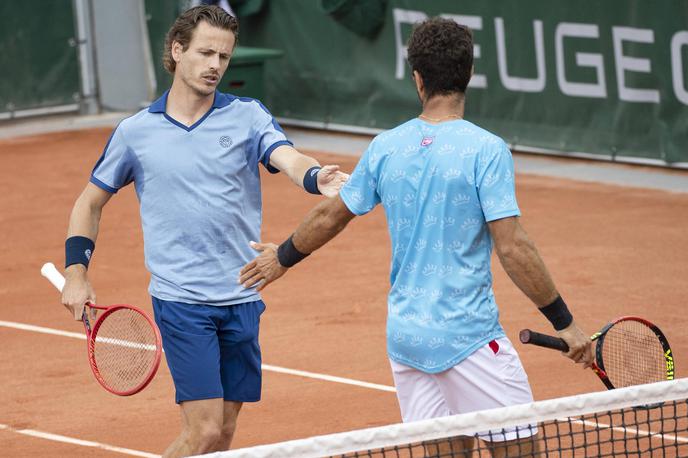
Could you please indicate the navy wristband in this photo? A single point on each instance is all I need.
(288, 255)
(78, 250)
(558, 314)
(310, 180)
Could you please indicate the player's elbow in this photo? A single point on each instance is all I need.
(514, 247)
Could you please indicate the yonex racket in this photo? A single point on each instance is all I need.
(123, 344)
(629, 351)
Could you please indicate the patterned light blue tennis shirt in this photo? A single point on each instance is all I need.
(439, 185)
(199, 193)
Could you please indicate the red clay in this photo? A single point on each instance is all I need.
(612, 251)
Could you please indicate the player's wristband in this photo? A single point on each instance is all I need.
(310, 180)
(558, 314)
(288, 255)
(78, 250)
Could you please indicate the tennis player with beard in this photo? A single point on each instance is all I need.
(447, 187)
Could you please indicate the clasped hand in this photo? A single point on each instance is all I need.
(264, 269)
(330, 180)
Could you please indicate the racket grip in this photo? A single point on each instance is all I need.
(542, 340)
(50, 272)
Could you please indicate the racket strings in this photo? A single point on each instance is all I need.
(633, 355)
(125, 349)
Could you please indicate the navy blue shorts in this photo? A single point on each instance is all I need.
(212, 351)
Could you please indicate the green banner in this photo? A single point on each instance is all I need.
(38, 55)
(604, 78)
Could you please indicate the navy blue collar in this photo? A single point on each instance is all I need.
(159, 105)
(221, 100)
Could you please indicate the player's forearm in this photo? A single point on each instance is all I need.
(526, 269)
(321, 225)
(298, 166)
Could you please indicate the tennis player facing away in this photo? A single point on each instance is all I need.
(447, 187)
(193, 156)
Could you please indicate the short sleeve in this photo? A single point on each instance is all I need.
(360, 194)
(270, 135)
(115, 168)
(495, 183)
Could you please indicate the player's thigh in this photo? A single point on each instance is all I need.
(231, 413)
(526, 446)
(192, 350)
(204, 414)
(240, 355)
(491, 377)
(418, 393)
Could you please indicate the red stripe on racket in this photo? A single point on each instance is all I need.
(123, 344)
(629, 351)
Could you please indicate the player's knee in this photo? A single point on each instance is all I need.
(226, 436)
(207, 435)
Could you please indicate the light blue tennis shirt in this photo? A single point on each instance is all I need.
(439, 185)
(199, 193)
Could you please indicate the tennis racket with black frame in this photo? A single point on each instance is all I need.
(123, 344)
(629, 351)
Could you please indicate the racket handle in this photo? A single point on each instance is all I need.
(542, 340)
(50, 272)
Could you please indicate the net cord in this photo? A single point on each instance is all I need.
(466, 424)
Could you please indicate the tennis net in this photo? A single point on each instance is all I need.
(640, 421)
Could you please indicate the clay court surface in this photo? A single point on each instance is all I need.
(611, 250)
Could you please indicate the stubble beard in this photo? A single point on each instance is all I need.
(198, 87)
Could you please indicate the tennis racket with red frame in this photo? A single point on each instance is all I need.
(629, 351)
(124, 345)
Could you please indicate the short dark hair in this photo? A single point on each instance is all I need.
(442, 52)
(182, 29)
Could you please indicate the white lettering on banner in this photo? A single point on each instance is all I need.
(594, 61)
(516, 83)
(404, 17)
(473, 23)
(634, 64)
(678, 77)
(598, 89)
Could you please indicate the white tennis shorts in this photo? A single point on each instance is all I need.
(491, 377)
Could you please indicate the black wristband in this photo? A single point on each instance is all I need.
(558, 314)
(288, 255)
(310, 180)
(78, 250)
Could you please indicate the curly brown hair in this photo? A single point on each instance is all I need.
(442, 52)
(182, 29)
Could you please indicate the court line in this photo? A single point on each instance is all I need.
(632, 430)
(42, 330)
(266, 367)
(329, 378)
(83, 443)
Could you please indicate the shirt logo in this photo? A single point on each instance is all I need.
(427, 141)
(225, 141)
